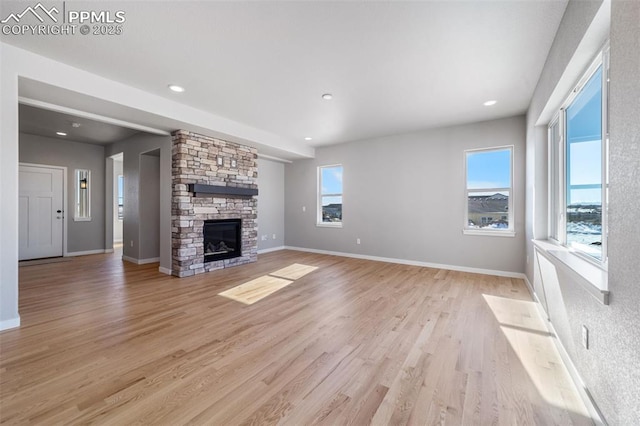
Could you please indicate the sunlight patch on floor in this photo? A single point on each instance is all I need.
(293, 272)
(261, 287)
(533, 344)
(255, 290)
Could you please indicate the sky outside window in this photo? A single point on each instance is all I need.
(331, 184)
(489, 169)
(584, 137)
(120, 189)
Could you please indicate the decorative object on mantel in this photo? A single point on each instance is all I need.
(197, 188)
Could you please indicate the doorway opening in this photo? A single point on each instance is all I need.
(118, 199)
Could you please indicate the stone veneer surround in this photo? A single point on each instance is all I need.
(195, 160)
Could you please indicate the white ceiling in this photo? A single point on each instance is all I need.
(393, 67)
(42, 122)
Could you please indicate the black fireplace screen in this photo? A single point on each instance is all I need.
(222, 239)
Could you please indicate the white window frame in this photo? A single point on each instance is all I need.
(508, 232)
(557, 161)
(319, 221)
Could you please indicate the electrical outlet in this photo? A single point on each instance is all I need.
(357, 240)
(585, 337)
(264, 238)
(131, 243)
(273, 236)
(527, 259)
(304, 209)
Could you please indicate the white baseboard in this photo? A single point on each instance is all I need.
(530, 287)
(141, 261)
(584, 393)
(85, 253)
(10, 323)
(164, 270)
(414, 263)
(269, 250)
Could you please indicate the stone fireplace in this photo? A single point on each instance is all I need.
(214, 186)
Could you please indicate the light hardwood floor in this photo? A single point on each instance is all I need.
(350, 342)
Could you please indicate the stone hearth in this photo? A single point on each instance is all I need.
(203, 160)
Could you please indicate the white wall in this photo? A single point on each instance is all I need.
(610, 367)
(404, 197)
(270, 204)
(81, 236)
(8, 191)
(618, 364)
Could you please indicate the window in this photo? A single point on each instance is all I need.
(120, 197)
(330, 195)
(488, 195)
(82, 211)
(578, 177)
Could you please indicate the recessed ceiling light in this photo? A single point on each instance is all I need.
(61, 134)
(327, 96)
(308, 138)
(176, 88)
(489, 103)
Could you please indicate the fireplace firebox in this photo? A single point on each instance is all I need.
(222, 239)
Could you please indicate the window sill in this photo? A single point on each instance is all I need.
(329, 224)
(593, 279)
(489, 233)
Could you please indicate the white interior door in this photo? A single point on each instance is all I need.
(41, 212)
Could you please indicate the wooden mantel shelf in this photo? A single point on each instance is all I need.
(198, 188)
